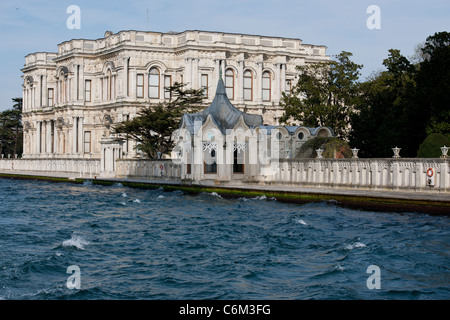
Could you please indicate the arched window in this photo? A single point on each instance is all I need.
(266, 86)
(229, 83)
(153, 83)
(248, 86)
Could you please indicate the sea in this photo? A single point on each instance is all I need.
(63, 241)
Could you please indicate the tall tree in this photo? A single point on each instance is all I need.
(433, 83)
(152, 128)
(11, 132)
(324, 95)
(387, 114)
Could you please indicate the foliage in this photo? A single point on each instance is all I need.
(431, 146)
(152, 128)
(11, 131)
(324, 94)
(433, 83)
(332, 148)
(387, 114)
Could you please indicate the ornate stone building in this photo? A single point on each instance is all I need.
(72, 98)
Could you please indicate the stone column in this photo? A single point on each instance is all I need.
(24, 99)
(132, 84)
(277, 84)
(44, 90)
(33, 102)
(258, 87)
(195, 75)
(444, 183)
(283, 78)
(80, 136)
(75, 86)
(216, 74)
(55, 139)
(74, 135)
(188, 73)
(240, 83)
(125, 77)
(48, 137)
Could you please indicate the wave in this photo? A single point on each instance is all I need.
(355, 245)
(160, 197)
(124, 195)
(137, 201)
(76, 241)
(300, 221)
(215, 194)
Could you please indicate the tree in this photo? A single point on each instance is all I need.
(324, 95)
(152, 128)
(387, 114)
(433, 83)
(11, 132)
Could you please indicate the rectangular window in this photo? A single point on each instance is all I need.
(87, 90)
(210, 165)
(204, 85)
(248, 88)
(167, 85)
(50, 97)
(87, 142)
(229, 83)
(238, 161)
(139, 85)
(266, 87)
(288, 87)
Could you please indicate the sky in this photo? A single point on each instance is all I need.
(28, 26)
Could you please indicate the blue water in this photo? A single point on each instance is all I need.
(151, 244)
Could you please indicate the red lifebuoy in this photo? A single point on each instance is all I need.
(430, 172)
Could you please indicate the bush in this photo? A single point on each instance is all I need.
(431, 146)
(332, 148)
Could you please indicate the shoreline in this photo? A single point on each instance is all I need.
(386, 201)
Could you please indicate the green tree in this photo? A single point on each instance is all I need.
(11, 131)
(152, 128)
(433, 83)
(324, 95)
(387, 114)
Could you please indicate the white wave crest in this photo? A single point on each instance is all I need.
(215, 194)
(302, 222)
(124, 195)
(355, 245)
(123, 203)
(161, 197)
(76, 241)
(137, 201)
(263, 197)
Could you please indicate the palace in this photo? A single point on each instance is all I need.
(72, 98)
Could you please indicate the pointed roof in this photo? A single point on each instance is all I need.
(222, 112)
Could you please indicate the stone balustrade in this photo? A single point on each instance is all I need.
(148, 169)
(81, 167)
(390, 174)
(362, 174)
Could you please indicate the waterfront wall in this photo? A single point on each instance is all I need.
(77, 167)
(372, 174)
(163, 169)
(362, 174)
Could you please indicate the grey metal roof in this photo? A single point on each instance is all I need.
(223, 113)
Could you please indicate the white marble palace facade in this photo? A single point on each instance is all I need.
(72, 98)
